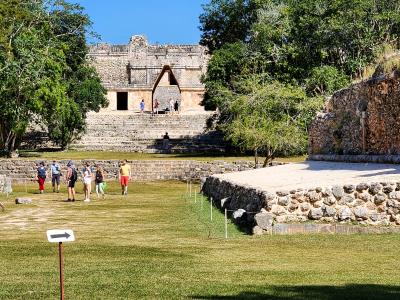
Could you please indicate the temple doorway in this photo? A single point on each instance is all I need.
(166, 88)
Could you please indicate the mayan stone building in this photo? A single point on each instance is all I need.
(139, 71)
(363, 119)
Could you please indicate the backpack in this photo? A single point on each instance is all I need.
(74, 175)
(42, 172)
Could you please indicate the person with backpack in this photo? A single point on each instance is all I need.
(55, 176)
(41, 176)
(71, 178)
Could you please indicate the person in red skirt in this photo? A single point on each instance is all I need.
(41, 176)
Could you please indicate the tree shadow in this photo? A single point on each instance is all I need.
(324, 292)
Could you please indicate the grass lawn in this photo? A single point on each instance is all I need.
(156, 244)
(105, 155)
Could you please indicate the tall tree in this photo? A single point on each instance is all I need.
(44, 75)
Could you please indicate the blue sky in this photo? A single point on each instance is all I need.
(162, 21)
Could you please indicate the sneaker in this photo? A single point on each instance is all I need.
(86, 200)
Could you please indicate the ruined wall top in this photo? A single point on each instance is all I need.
(139, 43)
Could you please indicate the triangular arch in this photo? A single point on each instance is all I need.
(165, 69)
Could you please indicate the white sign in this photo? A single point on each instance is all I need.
(60, 235)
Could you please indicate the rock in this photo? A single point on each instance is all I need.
(293, 206)
(258, 230)
(349, 188)
(282, 193)
(23, 201)
(239, 216)
(313, 196)
(379, 198)
(362, 187)
(318, 189)
(347, 200)
(344, 213)
(264, 220)
(375, 188)
(278, 210)
(387, 189)
(282, 219)
(224, 202)
(374, 216)
(318, 204)
(330, 200)
(361, 212)
(316, 213)
(364, 196)
(396, 219)
(327, 192)
(284, 201)
(338, 191)
(394, 195)
(329, 211)
(305, 206)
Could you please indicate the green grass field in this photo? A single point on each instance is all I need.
(157, 244)
(105, 155)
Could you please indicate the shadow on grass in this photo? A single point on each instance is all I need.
(351, 291)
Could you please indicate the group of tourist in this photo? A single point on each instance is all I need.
(88, 173)
(173, 107)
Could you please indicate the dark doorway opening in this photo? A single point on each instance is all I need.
(122, 100)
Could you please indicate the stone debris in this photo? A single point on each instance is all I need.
(23, 201)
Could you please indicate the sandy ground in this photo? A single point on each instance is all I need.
(313, 174)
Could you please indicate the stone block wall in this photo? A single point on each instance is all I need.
(25, 170)
(363, 119)
(374, 203)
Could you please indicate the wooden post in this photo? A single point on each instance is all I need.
(190, 188)
(211, 208)
(195, 196)
(61, 260)
(226, 223)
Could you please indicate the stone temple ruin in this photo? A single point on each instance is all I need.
(139, 71)
(360, 123)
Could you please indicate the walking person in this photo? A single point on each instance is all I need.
(55, 171)
(124, 176)
(156, 106)
(99, 181)
(41, 176)
(171, 106)
(142, 106)
(176, 107)
(71, 178)
(87, 181)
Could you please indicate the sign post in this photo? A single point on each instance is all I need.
(59, 236)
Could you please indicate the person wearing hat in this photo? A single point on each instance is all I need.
(71, 178)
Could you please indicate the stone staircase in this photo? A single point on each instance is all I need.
(144, 132)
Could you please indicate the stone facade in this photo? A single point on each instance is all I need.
(142, 170)
(363, 119)
(146, 71)
(365, 204)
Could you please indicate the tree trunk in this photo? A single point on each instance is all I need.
(255, 158)
(269, 157)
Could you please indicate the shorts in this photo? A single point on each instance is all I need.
(87, 181)
(71, 183)
(124, 180)
(55, 178)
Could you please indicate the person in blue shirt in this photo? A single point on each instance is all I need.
(55, 176)
(142, 106)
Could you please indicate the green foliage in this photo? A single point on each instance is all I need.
(267, 116)
(325, 80)
(316, 46)
(226, 21)
(44, 75)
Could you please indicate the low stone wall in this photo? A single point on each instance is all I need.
(383, 159)
(364, 204)
(25, 170)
